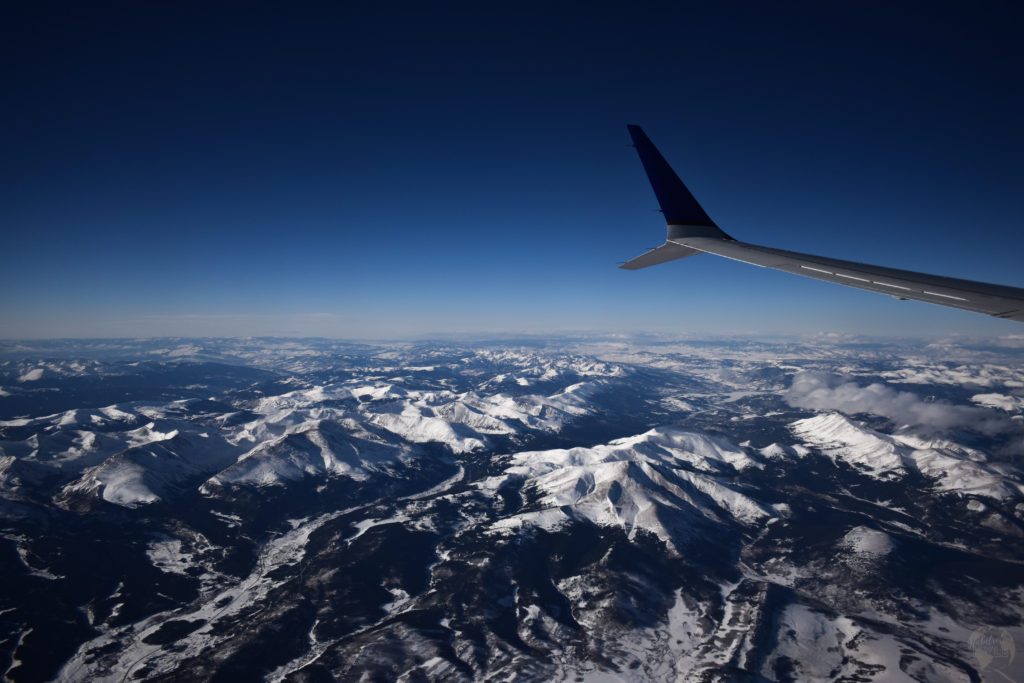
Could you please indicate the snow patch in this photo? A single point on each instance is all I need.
(32, 375)
(166, 555)
(123, 484)
(867, 541)
(1011, 404)
(976, 506)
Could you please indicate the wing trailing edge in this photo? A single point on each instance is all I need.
(691, 231)
(663, 254)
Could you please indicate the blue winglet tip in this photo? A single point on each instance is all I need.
(677, 204)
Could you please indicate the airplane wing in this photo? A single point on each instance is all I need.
(691, 231)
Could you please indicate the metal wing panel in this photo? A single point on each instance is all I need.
(666, 252)
(690, 229)
(997, 300)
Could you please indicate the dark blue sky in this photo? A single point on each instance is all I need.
(405, 169)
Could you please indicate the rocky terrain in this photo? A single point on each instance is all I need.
(596, 509)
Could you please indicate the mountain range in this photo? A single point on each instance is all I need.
(534, 509)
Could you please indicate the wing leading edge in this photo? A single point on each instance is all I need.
(691, 231)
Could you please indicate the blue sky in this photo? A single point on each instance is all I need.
(405, 169)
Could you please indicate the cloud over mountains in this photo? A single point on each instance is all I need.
(824, 391)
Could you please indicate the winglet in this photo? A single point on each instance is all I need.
(684, 216)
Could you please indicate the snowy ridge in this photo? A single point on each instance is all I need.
(460, 421)
(300, 433)
(922, 371)
(1011, 404)
(842, 439)
(414, 426)
(317, 449)
(533, 411)
(105, 454)
(953, 467)
(135, 454)
(150, 470)
(633, 483)
(469, 548)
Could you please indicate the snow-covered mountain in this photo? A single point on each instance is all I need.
(951, 466)
(602, 509)
(657, 482)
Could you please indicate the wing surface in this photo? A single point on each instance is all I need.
(669, 251)
(981, 297)
(691, 231)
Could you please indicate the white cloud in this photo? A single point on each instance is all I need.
(823, 391)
